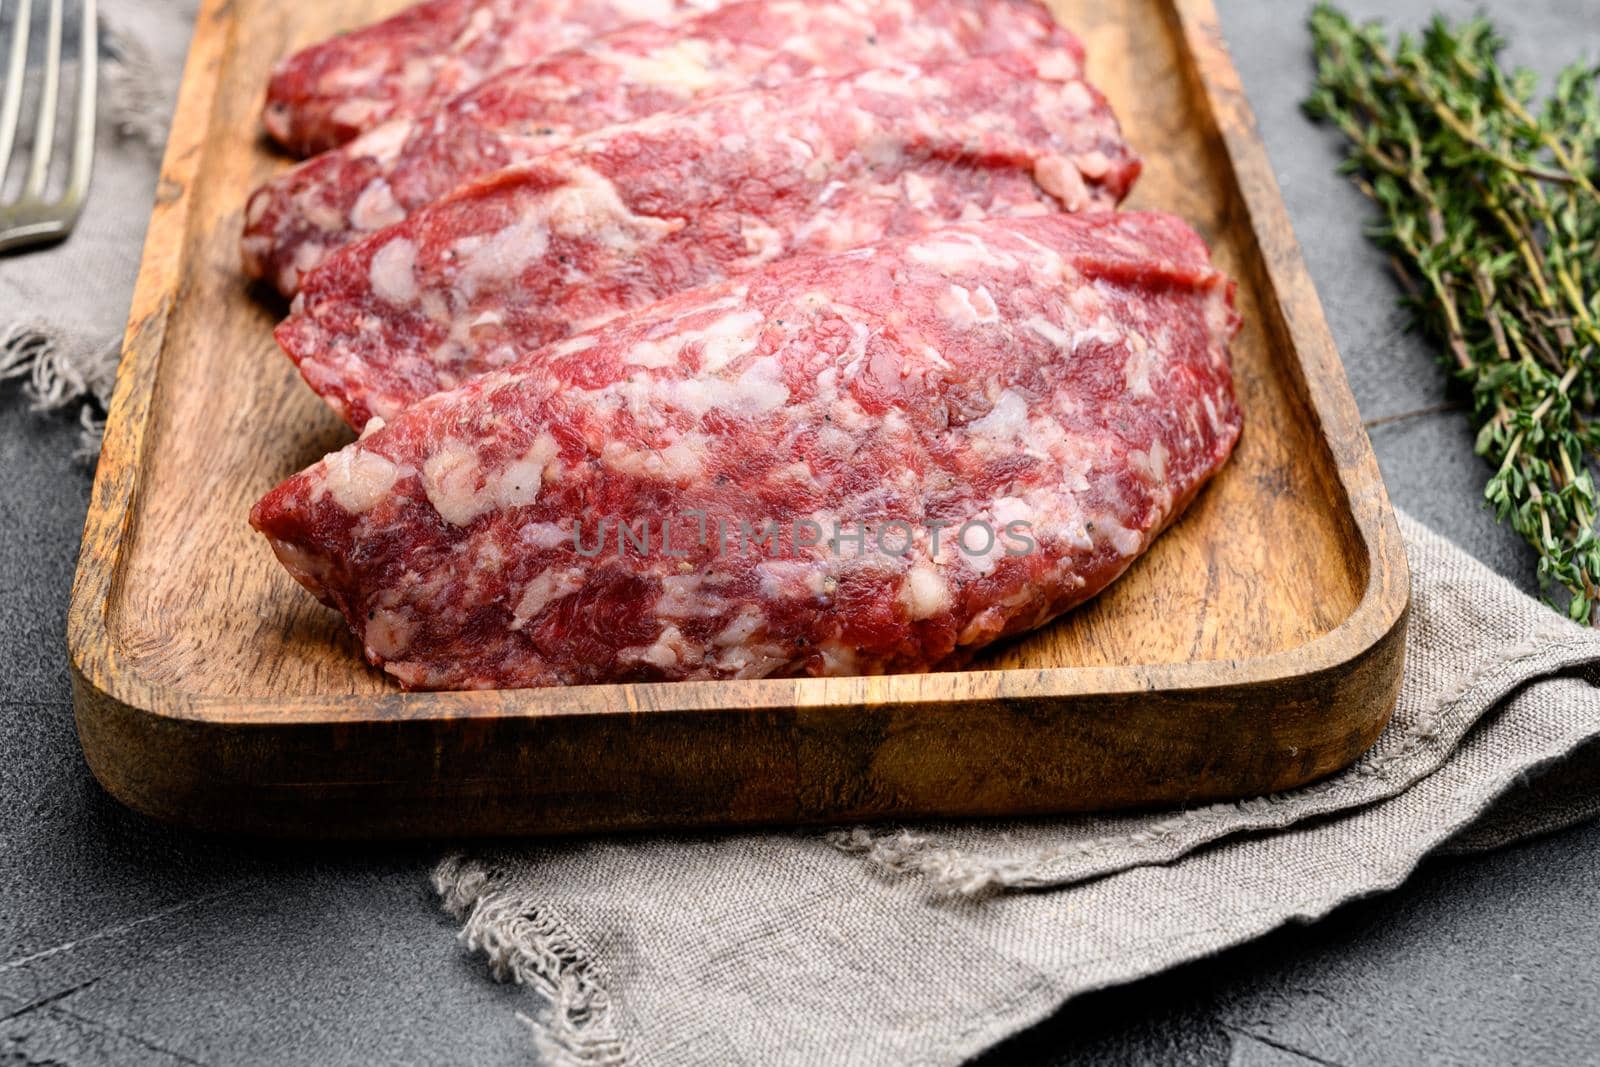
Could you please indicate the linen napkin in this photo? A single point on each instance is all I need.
(925, 943)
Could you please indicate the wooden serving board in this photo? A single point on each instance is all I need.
(1256, 647)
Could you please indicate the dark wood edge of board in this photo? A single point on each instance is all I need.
(769, 751)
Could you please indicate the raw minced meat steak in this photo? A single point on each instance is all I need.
(634, 213)
(326, 94)
(296, 219)
(748, 479)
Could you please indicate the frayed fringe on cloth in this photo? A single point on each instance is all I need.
(59, 371)
(523, 942)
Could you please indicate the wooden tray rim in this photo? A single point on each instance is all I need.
(102, 673)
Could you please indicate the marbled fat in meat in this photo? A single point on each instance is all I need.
(1068, 373)
(330, 92)
(299, 217)
(634, 213)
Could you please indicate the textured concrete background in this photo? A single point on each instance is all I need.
(122, 942)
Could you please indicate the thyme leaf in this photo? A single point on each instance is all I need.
(1488, 209)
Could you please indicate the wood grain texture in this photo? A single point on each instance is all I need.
(1257, 646)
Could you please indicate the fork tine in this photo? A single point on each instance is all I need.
(44, 130)
(11, 103)
(83, 126)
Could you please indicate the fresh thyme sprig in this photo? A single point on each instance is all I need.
(1491, 216)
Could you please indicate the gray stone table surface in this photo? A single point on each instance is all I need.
(125, 942)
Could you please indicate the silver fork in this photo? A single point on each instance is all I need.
(35, 217)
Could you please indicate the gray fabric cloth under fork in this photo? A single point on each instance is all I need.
(927, 944)
(62, 309)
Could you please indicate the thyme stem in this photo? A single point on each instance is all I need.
(1490, 213)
